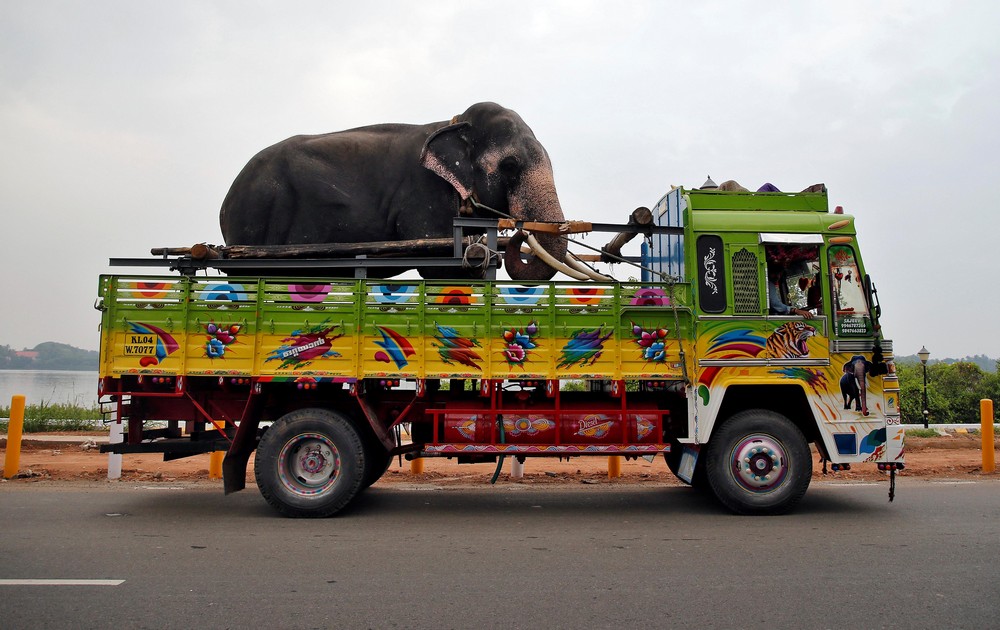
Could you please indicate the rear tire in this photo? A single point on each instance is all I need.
(758, 462)
(376, 463)
(310, 463)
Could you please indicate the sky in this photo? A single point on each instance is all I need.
(123, 124)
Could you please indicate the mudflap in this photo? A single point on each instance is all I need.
(689, 457)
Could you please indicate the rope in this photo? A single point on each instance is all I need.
(488, 255)
(663, 276)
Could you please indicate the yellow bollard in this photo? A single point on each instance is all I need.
(614, 466)
(986, 417)
(13, 458)
(417, 466)
(215, 464)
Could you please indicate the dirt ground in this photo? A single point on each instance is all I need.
(953, 456)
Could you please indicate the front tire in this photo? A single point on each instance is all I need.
(759, 463)
(310, 463)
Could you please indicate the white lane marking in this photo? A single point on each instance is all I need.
(61, 582)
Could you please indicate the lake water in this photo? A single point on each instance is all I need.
(50, 386)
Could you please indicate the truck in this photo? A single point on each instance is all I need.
(744, 344)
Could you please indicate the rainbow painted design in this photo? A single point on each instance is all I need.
(394, 293)
(453, 296)
(650, 297)
(456, 348)
(521, 296)
(813, 378)
(148, 290)
(584, 347)
(309, 293)
(395, 348)
(153, 346)
(585, 295)
(223, 292)
(740, 342)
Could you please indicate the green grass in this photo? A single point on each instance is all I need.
(922, 433)
(44, 417)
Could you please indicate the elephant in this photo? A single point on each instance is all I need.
(392, 182)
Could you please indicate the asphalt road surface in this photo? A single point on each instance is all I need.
(185, 556)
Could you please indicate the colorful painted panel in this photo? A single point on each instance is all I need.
(352, 329)
(220, 346)
(519, 348)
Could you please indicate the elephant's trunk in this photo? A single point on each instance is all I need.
(536, 200)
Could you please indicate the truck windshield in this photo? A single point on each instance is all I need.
(851, 306)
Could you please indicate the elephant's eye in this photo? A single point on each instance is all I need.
(508, 166)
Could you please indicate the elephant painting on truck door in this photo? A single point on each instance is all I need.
(396, 182)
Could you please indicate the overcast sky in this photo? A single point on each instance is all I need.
(123, 124)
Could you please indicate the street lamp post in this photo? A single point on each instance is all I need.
(924, 354)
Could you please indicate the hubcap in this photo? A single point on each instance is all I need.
(308, 464)
(759, 463)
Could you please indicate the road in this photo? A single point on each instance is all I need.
(501, 557)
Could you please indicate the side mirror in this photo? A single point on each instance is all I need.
(872, 294)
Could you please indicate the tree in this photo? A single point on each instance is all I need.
(953, 391)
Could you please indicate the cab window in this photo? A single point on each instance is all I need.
(847, 287)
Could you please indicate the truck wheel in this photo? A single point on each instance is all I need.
(758, 462)
(310, 463)
(377, 461)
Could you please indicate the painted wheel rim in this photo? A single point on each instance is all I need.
(309, 464)
(759, 463)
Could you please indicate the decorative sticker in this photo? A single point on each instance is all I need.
(854, 383)
(305, 346)
(595, 426)
(530, 425)
(219, 338)
(519, 344)
(790, 341)
(584, 347)
(467, 428)
(643, 427)
(652, 342)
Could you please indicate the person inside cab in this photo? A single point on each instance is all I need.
(793, 264)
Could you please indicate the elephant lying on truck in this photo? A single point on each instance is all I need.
(396, 182)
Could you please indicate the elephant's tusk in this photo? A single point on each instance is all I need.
(550, 260)
(575, 263)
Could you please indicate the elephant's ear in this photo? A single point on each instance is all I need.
(447, 153)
